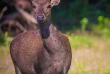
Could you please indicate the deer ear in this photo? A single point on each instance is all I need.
(55, 2)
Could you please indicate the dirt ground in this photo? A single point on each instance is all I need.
(92, 61)
(6, 65)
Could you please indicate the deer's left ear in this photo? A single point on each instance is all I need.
(55, 2)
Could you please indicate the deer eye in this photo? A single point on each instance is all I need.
(34, 6)
(49, 6)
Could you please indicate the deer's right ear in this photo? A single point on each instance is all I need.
(55, 2)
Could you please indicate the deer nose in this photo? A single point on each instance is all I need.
(40, 17)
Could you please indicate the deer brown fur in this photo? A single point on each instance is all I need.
(43, 51)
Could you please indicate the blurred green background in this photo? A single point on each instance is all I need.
(87, 25)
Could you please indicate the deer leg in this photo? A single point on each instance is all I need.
(67, 63)
(55, 69)
(27, 70)
(17, 71)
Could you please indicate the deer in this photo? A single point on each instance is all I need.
(42, 51)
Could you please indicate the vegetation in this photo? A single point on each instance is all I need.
(81, 14)
(4, 43)
(90, 54)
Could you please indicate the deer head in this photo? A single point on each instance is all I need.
(42, 9)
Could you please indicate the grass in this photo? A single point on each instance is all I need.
(4, 45)
(80, 40)
(90, 54)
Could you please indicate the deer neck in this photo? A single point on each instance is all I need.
(50, 38)
(46, 29)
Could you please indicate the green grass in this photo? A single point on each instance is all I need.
(80, 40)
(4, 46)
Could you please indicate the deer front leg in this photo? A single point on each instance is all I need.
(67, 62)
(56, 68)
(17, 71)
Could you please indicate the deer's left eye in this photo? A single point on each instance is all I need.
(49, 6)
(34, 6)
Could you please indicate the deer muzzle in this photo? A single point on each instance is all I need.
(40, 17)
